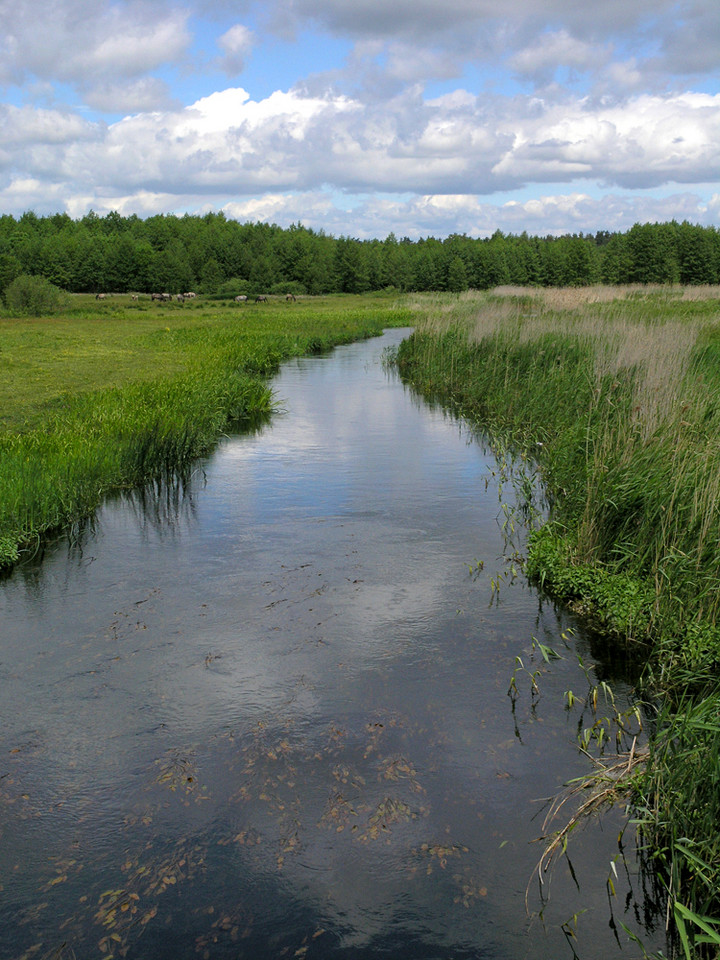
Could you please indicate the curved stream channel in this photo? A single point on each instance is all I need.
(266, 715)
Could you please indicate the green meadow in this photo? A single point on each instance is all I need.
(110, 394)
(612, 397)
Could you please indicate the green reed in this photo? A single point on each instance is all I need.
(619, 402)
(615, 394)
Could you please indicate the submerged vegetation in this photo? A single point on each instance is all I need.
(613, 394)
(105, 396)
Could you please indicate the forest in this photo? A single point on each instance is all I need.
(214, 255)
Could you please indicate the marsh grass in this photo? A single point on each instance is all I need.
(102, 398)
(618, 397)
(615, 392)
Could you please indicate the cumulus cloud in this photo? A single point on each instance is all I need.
(88, 42)
(647, 141)
(441, 215)
(552, 51)
(236, 44)
(550, 93)
(229, 143)
(26, 126)
(428, 18)
(135, 96)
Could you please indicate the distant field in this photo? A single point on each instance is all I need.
(94, 345)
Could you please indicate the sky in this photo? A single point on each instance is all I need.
(365, 117)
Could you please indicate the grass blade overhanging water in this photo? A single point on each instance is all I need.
(93, 402)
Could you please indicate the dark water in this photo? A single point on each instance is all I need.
(266, 715)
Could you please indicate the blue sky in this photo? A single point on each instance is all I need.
(362, 117)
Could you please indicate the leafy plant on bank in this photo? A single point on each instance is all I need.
(32, 296)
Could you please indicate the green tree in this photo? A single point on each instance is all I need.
(652, 255)
(171, 270)
(551, 262)
(615, 264)
(581, 265)
(697, 254)
(263, 273)
(457, 279)
(88, 259)
(10, 268)
(351, 266)
(121, 267)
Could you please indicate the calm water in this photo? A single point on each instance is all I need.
(266, 716)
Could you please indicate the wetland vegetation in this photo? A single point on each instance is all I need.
(612, 395)
(609, 395)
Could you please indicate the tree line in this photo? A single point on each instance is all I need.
(215, 255)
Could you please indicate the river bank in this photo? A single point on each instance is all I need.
(613, 396)
(110, 395)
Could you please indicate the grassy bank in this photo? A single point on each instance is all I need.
(112, 394)
(615, 393)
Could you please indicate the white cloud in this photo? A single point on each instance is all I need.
(552, 51)
(135, 96)
(88, 42)
(647, 141)
(228, 143)
(236, 44)
(24, 127)
(427, 18)
(594, 102)
(441, 215)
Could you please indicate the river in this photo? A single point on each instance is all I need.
(265, 714)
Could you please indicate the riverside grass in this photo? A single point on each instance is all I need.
(614, 395)
(112, 395)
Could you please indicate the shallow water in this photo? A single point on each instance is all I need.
(266, 714)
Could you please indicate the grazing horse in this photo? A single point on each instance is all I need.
(133, 296)
(189, 296)
(156, 296)
(100, 296)
(241, 299)
(290, 297)
(261, 298)
(180, 298)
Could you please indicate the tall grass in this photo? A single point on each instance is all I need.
(616, 394)
(619, 400)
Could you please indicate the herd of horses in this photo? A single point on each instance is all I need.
(261, 298)
(182, 297)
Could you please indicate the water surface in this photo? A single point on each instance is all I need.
(266, 714)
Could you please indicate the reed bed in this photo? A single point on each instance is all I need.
(95, 401)
(614, 395)
(619, 401)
